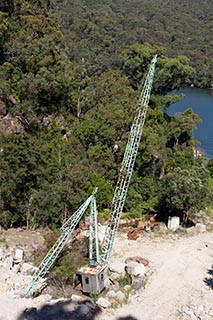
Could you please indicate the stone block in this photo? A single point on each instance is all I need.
(18, 256)
(117, 267)
(136, 269)
(200, 227)
(173, 223)
(111, 294)
(191, 231)
(120, 296)
(104, 303)
(137, 282)
(28, 269)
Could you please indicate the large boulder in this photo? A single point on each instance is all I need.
(200, 227)
(9, 125)
(138, 259)
(135, 269)
(117, 267)
(137, 282)
(28, 269)
(120, 296)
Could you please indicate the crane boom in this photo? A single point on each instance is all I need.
(54, 252)
(127, 165)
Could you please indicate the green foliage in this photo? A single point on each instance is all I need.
(184, 190)
(98, 32)
(126, 280)
(73, 89)
(67, 268)
(3, 242)
(210, 167)
(104, 193)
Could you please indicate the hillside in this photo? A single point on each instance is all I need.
(98, 31)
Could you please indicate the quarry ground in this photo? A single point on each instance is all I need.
(179, 284)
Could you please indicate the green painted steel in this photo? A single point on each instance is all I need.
(54, 252)
(94, 258)
(127, 165)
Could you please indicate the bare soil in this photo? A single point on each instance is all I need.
(180, 284)
(180, 277)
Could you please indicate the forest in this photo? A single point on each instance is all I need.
(70, 78)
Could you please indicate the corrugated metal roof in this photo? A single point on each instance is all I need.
(92, 269)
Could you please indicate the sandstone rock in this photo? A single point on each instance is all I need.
(132, 235)
(137, 282)
(210, 312)
(9, 124)
(79, 299)
(28, 269)
(138, 259)
(191, 231)
(111, 294)
(115, 276)
(127, 288)
(200, 227)
(8, 262)
(117, 267)
(18, 256)
(103, 303)
(16, 268)
(120, 296)
(136, 269)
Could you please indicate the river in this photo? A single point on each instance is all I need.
(201, 102)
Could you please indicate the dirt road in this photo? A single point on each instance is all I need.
(177, 288)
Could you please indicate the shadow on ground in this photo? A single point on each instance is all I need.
(209, 280)
(62, 310)
(127, 318)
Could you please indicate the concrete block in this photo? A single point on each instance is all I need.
(173, 223)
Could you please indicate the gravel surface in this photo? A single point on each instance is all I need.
(179, 285)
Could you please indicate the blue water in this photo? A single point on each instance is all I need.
(201, 102)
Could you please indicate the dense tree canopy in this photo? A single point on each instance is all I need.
(100, 30)
(74, 92)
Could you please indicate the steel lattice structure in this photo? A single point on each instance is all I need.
(127, 165)
(117, 203)
(54, 252)
(94, 257)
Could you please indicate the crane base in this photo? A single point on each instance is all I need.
(93, 278)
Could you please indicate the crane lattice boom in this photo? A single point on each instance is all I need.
(54, 252)
(127, 165)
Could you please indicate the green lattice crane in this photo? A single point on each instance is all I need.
(55, 251)
(97, 271)
(127, 165)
